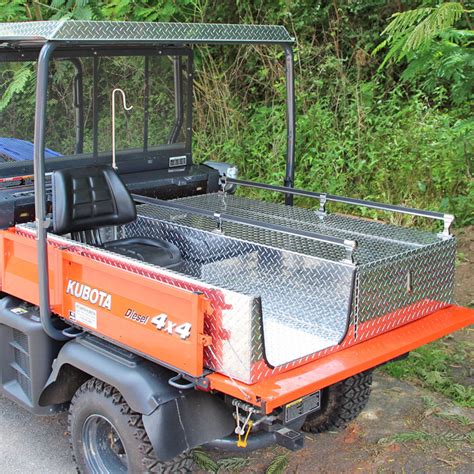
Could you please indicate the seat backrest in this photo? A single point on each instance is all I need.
(89, 198)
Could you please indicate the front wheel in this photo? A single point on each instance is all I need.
(106, 435)
(340, 403)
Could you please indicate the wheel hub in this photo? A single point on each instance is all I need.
(103, 448)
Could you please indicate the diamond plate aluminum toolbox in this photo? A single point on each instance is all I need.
(280, 294)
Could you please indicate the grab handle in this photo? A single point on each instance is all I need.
(124, 101)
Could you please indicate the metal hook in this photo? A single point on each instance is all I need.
(124, 101)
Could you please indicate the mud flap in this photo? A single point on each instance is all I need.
(187, 421)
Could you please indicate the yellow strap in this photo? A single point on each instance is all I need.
(242, 443)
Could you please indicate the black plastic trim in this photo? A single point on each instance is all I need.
(175, 420)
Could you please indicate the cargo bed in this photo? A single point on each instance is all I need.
(309, 282)
(287, 285)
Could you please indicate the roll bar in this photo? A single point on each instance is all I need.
(42, 223)
(40, 193)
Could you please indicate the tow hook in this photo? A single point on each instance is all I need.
(286, 437)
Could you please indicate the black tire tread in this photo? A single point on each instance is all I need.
(345, 401)
(180, 464)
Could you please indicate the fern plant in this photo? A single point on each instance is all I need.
(413, 29)
(15, 81)
(437, 54)
(278, 465)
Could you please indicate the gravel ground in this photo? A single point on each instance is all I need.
(32, 444)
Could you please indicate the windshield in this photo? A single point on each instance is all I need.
(79, 121)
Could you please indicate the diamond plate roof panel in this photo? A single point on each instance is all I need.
(141, 32)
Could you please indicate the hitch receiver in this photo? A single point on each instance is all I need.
(289, 439)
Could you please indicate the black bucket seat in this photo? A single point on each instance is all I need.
(87, 199)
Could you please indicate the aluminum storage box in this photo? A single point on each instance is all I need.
(299, 297)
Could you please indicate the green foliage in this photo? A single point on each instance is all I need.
(406, 437)
(360, 131)
(430, 366)
(205, 462)
(445, 411)
(278, 465)
(12, 10)
(460, 419)
(72, 9)
(446, 437)
(436, 53)
(232, 464)
(16, 84)
(413, 29)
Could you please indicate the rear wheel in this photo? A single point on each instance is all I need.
(340, 403)
(108, 436)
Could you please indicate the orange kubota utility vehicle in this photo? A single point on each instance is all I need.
(165, 309)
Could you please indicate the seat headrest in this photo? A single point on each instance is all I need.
(88, 198)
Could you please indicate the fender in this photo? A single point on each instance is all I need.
(175, 420)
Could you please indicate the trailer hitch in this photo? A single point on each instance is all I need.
(289, 439)
(282, 435)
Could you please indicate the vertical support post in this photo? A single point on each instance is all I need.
(95, 108)
(40, 193)
(189, 99)
(146, 96)
(78, 105)
(178, 100)
(290, 122)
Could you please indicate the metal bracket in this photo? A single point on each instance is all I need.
(350, 246)
(205, 340)
(44, 223)
(185, 385)
(218, 217)
(447, 221)
(323, 199)
(223, 184)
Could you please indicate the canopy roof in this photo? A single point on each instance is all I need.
(113, 32)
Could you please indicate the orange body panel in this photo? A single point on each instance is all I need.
(283, 388)
(117, 304)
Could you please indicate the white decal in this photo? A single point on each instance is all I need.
(134, 316)
(183, 330)
(170, 327)
(161, 322)
(93, 295)
(85, 315)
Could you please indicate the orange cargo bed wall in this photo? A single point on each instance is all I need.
(157, 320)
